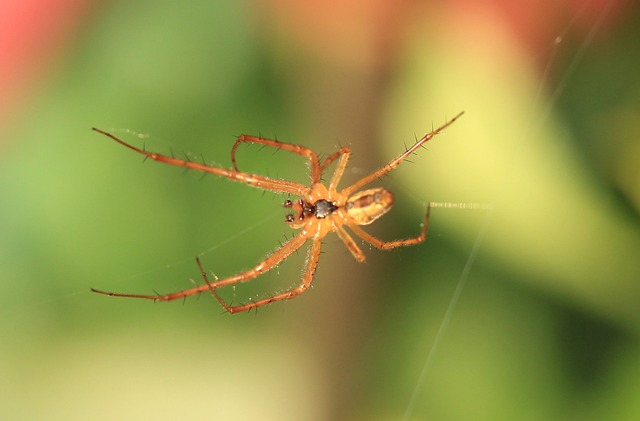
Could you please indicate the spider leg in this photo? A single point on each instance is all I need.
(343, 153)
(307, 278)
(386, 245)
(266, 183)
(350, 244)
(329, 159)
(397, 160)
(271, 261)
(299, 150)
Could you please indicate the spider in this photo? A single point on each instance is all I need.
(319, 210)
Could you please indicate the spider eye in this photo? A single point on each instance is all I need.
(289, 218)
(287, 203)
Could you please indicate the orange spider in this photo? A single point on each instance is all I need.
(318, 211)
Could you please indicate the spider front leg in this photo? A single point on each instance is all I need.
(296, 149)
(307, 278)
(386, 245)
(265, 183)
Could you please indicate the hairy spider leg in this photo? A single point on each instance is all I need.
(307, 278)
(350, 244)
(314, 164)
(317, 168)
(266, 183)
(397, 160)
(357, 253)
(376, 242)
(329, 159)
(265, 265)
(263, 182)
(386, 245)
(343, 153)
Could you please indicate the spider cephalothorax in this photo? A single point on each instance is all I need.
(319, 210)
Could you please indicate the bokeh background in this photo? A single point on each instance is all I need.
(548, 322)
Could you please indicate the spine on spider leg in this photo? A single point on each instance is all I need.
(397, 160)
(266, 183)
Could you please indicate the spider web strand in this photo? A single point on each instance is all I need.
(464, 276)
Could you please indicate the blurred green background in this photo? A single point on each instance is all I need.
(548, 322)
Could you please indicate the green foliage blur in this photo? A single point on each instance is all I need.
(548, 322)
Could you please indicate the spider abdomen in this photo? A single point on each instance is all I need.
(368, 205)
